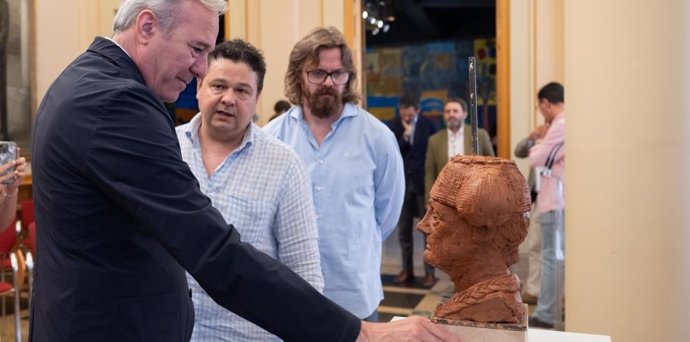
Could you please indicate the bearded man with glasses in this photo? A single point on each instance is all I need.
(355, 166)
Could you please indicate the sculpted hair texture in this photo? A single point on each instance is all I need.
(307, 51)
(163, 9)
(491, 194)
(240, 51)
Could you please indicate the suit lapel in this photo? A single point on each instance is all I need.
(443, 151)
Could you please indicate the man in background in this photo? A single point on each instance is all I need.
(354, 163)
(280, 107)
(547, 156)
(455, 139)
(256, 182)
(530, 249)
(412, 130)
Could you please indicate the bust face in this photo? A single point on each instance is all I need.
(448, 237)
(476, 217)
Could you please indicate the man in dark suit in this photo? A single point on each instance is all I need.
(456, 139)
(120, 216)
(412, 129)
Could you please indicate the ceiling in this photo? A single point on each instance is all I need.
(431, 20)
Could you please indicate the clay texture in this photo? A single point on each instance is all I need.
(477, 216)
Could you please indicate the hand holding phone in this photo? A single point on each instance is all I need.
(8, 154)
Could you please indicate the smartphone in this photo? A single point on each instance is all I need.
(8, 153)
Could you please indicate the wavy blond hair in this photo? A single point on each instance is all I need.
(307, 51)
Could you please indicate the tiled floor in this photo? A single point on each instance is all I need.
(414, 300)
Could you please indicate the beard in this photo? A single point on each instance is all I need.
(454, 124)
(323, 106)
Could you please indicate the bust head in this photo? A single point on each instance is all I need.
(478, 214)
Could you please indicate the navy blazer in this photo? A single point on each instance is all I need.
(119, 217)
(414, 155)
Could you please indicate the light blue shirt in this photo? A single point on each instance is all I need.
(262, 189)
(358, 185)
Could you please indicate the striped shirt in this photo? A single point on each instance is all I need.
(261, 188)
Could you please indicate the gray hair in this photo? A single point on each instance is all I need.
(163, 9)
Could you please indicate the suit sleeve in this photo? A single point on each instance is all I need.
(522, 147)
(487, 149)
(389, 183)
(397, 129)
(134, 158)
(430, 167)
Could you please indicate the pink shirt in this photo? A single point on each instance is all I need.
(540, 154)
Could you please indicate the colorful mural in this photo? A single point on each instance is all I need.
(435, 71)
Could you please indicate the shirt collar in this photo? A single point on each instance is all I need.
(118, 45)
(461, 132)
(192, 133)
(349, 109)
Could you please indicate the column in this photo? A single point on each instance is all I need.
(627, 82)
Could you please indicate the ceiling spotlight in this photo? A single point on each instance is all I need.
(375, 31)
(386, 28)
(372, 20)
(365, 14)
(379, 23)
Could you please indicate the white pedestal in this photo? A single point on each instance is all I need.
(479, 332)
(533, 335)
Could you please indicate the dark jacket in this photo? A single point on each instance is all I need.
(119, 218)
(414, 154)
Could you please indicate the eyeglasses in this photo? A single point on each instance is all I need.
(318, 76)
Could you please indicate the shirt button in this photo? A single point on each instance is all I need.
(321, 161)
(318, 188)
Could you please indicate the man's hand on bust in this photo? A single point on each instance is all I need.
(410, 329)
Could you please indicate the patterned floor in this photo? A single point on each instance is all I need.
(408, 300)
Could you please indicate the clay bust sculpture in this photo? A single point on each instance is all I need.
(478, 213)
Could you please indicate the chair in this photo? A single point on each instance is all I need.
(27, 217)
(31, 238)
(13, 289)
(30, 257)
(29, 276)
(8, 240)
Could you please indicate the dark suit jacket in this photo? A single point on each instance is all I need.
(120, 217)
(437, 153)
(414, 155)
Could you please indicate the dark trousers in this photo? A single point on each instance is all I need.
(413, 206)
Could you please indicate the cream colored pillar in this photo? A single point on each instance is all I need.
(63, 30)
(627, 84)
(536, 58)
